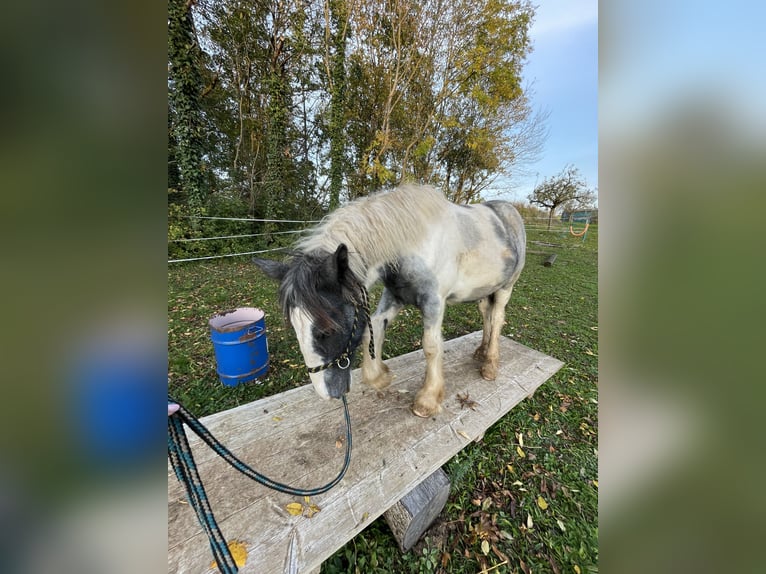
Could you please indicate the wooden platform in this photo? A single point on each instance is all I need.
(294, 437)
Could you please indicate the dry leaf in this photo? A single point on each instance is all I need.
(520, 452)
(339, 442)
(311, 510)
(561, 525)
(463, 434)
(485, 547)
(595, 483)
(520, 436)
(238, 553)
(577, 569)
(510, 468)
(541, 503)
(294, 508)
(530, 524)
(276, 418)
(466, 401)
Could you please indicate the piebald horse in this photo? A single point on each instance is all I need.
(427, 252)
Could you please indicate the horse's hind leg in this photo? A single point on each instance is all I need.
(496, 315)
(485, 307)
(374, 371)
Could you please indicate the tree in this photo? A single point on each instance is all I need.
(337, 26)
(566, 188)
(184, 86)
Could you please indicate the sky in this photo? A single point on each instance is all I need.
(562, 72)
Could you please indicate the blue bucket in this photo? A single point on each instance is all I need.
(241, 348)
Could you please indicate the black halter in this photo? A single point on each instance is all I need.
(343, 361)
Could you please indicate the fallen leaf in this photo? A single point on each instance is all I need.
(595, 483)
(311, 510)
(520, 452)
(485, 547)
(521, 439)
(510, 468)
(466, 401)
(445, 559)
(339, 442)
(530, 524)
(536, 417)
(463, 434)
(541, 503)
(577, 569)
(294, 508)
(276, 418)
(238, 553)
(561, 525)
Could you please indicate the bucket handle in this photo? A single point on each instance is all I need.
(255, 329)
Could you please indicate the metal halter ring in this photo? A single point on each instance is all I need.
(339, 363)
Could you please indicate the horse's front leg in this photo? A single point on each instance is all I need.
(374, 371)
(429, 399)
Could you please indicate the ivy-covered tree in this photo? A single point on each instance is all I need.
(184, 87)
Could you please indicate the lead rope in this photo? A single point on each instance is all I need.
(182, 459)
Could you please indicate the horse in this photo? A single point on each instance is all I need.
(427, 252)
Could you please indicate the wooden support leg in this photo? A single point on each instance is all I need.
(413, 514)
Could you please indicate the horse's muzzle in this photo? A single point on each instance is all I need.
(337, 381)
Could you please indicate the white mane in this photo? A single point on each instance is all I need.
(378, 228)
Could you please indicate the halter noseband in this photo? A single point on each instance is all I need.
(343, 361)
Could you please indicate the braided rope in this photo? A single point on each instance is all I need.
(182, 460)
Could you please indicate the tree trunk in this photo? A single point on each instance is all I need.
(338, 17)
(185, 97)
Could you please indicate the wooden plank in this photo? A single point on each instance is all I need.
(413, 514)
(293, 437)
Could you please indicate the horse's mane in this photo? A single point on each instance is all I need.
(378, 228)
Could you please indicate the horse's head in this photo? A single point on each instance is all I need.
(327, 307)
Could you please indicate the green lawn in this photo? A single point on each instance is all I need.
(530, 508)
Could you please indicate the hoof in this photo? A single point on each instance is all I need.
(425, 406)
(489, 372)
(480, 354)
(381, 381)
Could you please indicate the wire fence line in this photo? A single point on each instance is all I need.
(227, 255)
(236, 236)
(247, 219)
(240, 219)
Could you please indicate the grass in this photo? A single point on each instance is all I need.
(530, 508)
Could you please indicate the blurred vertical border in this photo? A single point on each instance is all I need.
(681, 209)
(82, 169)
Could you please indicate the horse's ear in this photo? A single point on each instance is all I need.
(341, 261)
(274, 269)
